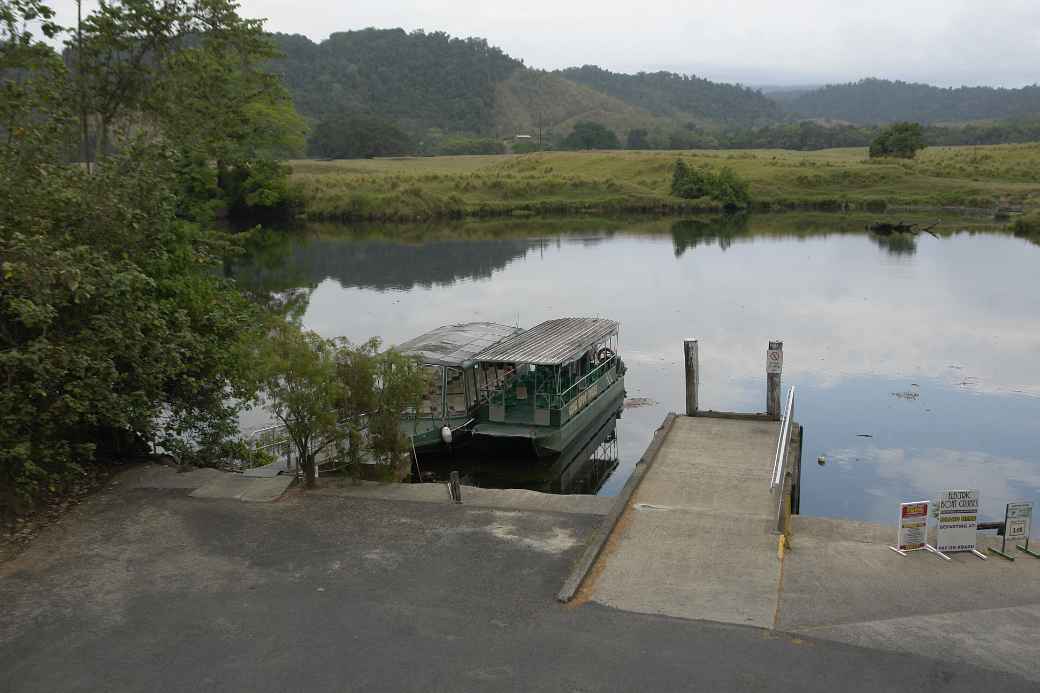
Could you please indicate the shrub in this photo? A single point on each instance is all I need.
(724, 186)
(900, 140)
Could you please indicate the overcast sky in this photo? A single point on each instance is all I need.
(759, 42)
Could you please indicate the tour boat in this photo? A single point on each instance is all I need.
(539, 389)
(449, 406)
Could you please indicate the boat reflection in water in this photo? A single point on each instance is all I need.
(582, 468)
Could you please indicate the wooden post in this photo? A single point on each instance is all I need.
(774, 365)
(693, 374)
(455, 487)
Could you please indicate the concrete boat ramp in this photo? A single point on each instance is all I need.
(694, 536)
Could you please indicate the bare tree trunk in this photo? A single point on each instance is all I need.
(309, 478)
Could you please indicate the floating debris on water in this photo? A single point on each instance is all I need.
(633, 402)
(909, 394)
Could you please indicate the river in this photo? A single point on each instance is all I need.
(916, 359)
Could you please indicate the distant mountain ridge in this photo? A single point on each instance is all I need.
(432, 84)
(432, 80)
(870, 101)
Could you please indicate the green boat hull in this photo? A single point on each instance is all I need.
(548, 440)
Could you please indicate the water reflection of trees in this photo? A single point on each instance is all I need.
(687, 234)
(281, 270)
(896, 243)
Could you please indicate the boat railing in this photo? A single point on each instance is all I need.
(584, 382)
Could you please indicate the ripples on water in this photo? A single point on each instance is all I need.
(931, 347)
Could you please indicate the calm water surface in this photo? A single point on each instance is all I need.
(917, 361)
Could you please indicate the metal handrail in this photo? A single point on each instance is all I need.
(776, 483)
(782, 443)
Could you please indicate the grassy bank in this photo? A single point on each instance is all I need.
(629, 181)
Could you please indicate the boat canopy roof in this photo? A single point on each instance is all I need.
(552, 343)
(456, 345)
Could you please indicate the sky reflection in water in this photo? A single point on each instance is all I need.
(931, 348)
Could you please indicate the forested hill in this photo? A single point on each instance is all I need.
(683, 97)
(423, 81)
(881, 101)
(419, 80)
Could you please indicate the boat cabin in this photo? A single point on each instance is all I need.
(447, 354)
(547, 375)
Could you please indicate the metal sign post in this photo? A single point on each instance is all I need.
(913, 530)
(1018, 521)
(1008, 521)
(958, 522)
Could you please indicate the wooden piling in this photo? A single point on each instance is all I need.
(774, 366)
(692, 375)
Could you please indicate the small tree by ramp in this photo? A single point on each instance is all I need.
(300, 388)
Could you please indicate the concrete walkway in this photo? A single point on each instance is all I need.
(841, 582)
(696, 539)
(206, 483)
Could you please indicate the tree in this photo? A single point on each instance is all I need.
(118, 332)
(192, 73)
(356, 370)
(900, 140)
(638, 138)
(300, 388)
(400, 383)
(358, 136)
(589, 135)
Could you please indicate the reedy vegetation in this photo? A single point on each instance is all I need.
(628, 181)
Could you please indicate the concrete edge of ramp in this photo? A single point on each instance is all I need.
(592, 552)
(247, 489)
(472, 497)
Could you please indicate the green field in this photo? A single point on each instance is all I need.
(639, 181)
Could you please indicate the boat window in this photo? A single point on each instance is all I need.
(432, 400)
(456, 393)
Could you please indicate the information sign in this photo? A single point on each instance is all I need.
(1019, 519)
(913, 525)
(1016, 526)
(913, 529)
(958, 521)
(774, 361)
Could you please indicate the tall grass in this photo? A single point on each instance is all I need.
(414, 189)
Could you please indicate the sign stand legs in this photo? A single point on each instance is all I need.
(1025, 549)
(1002, 551)
(926, 547)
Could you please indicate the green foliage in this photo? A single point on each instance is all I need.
(680, 96)
(884, 101)
(358, 137)
(638, 138)
(189, 72)
(1028, 226)
(400, 383)
(118, 332)
(421, 80)
(589, 135)
(470, 145)
(298, 381)
(899, 140)
(723, 186)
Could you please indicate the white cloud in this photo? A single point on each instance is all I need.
(948, 42)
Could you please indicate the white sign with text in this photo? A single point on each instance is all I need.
(958, 520)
